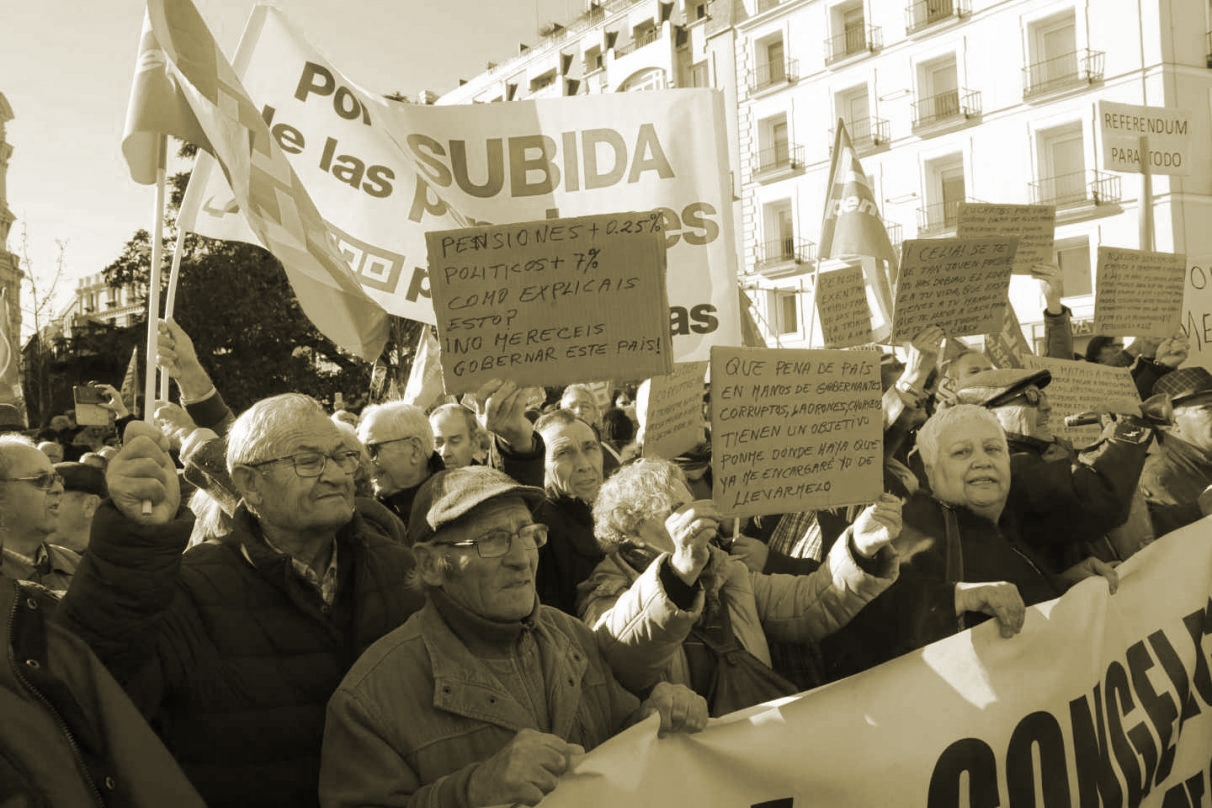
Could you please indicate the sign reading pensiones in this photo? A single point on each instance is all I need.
(551, 302)
(958, 284)
(1078, 387)
(794, 430)
(1033, 225)
(672, 414)
(1139, 293)
(841, 304)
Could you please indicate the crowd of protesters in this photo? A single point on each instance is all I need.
(293, 607)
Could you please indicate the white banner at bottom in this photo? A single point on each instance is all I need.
(1102, 699)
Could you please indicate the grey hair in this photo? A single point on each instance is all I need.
(409, 419)
(930, 435)
(639, 490)
(261, 431)
(8, 440)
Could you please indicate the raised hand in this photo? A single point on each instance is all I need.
(692, 527)
(878, 525)
(501, 409)
(141, 477)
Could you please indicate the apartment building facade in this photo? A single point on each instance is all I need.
(946, 101)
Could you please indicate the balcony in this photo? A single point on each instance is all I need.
(774, 74)
(896, 233)
(1076, 189)
(935, 219)
(854, 40)
(925, 13)
(952, 105)
(1064, 72)
(866, 134)
(783, 251)
(779, 161)
(644, 36)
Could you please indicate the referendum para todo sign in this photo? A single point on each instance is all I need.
(795, 430)
(551, 302)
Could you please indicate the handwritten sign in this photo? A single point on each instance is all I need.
(958, 284)
(1197, 310)
(1033, 225)
(795, 430)
(1139, 293)
(551, 302)
(1082, 387)
(672, 414)
(841, 303)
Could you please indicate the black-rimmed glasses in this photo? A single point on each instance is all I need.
(496, 543)
(312, 464)
(372, 449)
(44, 481)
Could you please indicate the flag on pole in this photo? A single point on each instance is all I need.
(184, 76)
(130, 381)
(10, 371)
(424, 387)
(852, 224)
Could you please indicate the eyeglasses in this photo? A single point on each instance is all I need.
(496, 543)
(44, 481)
(1030, 395)
(372, 449)
(312, 464)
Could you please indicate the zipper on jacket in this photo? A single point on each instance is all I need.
(63, 728)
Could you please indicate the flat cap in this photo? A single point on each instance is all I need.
(452, 494)
(82, 477)
(1184, 383)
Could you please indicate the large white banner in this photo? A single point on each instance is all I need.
(1101, 697)
(383, 173)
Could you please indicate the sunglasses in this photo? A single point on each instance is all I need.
(44, 481)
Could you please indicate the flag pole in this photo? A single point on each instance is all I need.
(153, 290)
(816, 270)
(170, 299)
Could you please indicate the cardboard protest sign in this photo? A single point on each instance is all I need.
(795, 430)
(1079, 387)
(1033, 225)
(382, 174)
(1006, 347)
(551, 302)
(1139, 293)
(1101, 699)
(672, 412)
(841, 304)
(1197, 310)
(958, 284)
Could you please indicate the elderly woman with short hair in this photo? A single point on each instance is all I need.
(664, 579)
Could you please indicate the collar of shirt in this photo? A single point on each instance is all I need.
(28, 564)
(325, 585)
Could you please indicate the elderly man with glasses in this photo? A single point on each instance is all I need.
(399, 440)
(484, 697)
(30, 493)
(233, 649)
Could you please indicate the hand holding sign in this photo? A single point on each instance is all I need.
(501, 411)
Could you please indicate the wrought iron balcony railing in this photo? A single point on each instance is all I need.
(784, 156)
(867, 133)
(783, 251)
(945, 106)
(924, 13)
(855, 39)
(643, 37)
(1077, 188)
(1060, 72)
(774, 73)
(938, 217)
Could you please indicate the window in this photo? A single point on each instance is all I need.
(776, 61)
(541, 82)
(1052, 45)
(1073, 257)
(853, 108)
(699, 76)
(941, 83)
(776, 152)
(945, 190)
(1062, 165)
(770, 63)
(651, 79)
(854, 29)
(788, 314)
(779, 230)
(593, 59)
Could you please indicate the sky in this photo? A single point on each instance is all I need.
(66, 68)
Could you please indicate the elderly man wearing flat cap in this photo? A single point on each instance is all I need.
(1067, 503)
(485, 696)
(1177, 480)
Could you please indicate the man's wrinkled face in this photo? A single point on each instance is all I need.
(1027, 414)
(969, 364)
(1193, 422)
(573, 462)
(972, 467)
(299, 504)
(501, 588)
(583, 405)
(26, 510)
(452, 439)
(399, 459)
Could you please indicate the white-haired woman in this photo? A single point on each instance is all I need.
(663, 577)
